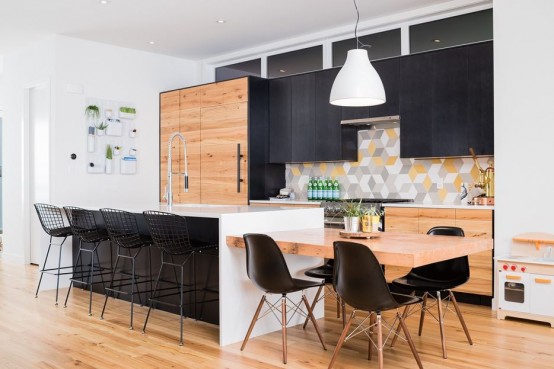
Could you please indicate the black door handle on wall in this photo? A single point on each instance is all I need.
(239, 180)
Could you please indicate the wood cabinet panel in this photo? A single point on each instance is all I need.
(225, 124)
(190, 98)
(219, 174)
(169, 124)
(430, 217)
(475, 223)
(227, 92)
(189, 123)
(402, 220)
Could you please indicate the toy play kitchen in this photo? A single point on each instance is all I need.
(526, 284)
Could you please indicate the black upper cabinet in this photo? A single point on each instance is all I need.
(446, 102)
(388, 70)
(280, 120)
(304, 126)
(416, 130)
(303, 117)
(481, 99)
(333, 141)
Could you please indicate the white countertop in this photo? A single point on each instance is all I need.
(199, 210)
(292, 202)
(439, 206)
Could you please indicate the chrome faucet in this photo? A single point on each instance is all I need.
(168, 186)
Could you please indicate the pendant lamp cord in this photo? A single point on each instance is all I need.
(358, 42)
(356, 27)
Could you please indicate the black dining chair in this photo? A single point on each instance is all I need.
(52, 222)
(84, 227)
(170, 234)
(267, 269)
(325, 273)
(360, 282)
(432, 279)
(123, 230)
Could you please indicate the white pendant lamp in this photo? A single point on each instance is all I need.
(357, 83)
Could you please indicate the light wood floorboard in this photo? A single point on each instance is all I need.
(34, 333)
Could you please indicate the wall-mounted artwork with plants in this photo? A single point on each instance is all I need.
(108, 134)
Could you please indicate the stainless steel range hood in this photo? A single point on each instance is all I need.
(392, 121)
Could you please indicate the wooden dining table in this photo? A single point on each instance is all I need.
(406, 250)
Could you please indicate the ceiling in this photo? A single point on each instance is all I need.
(185, 28)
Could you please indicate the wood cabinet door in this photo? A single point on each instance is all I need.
(224, 174)
(224, 124)
(477, 223)
(431, 217)
(190, 128)
(227, 92)
(402, 220)
(169, 124)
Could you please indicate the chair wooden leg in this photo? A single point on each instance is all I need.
(379, 340)
(337, 297)
(314, 321)
(459, 313)
(410, 342)
(341, 339)
(397, 330)
(370, 343)
(441, 324)
(313, 305)
(343, 310)
(422, 315)
(254, 319)
(284, 326)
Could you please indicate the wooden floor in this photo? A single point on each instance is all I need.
(34, 333)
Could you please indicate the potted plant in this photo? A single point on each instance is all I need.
(92, 112)
(352, 213)
(109, 159)
(133, 133)
(116, 150)
(371, 219)
(127, 112)
(101, 128)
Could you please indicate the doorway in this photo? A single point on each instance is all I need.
(39, 159)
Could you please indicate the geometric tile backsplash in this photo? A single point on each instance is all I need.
(381, 173)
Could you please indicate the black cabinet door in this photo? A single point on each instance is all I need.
(303, 118)
(481, 99)
(416, 129)
(449, 102)
(333, 141)
(389, 71)
(280, 120)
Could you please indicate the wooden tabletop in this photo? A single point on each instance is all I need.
(409, 250)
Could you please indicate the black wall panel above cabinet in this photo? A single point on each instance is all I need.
(389, 71)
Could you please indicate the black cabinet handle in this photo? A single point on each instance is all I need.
(238, 168)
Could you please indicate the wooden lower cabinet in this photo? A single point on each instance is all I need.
(474, 222)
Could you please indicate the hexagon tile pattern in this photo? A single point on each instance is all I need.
(381, 173)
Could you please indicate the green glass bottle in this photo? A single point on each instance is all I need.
(319, 189)
(310, 189)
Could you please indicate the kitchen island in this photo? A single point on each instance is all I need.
(238, 297)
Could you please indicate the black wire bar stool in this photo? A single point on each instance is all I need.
(83, 226)
(51, 219)
(123, 230)
(170, 233)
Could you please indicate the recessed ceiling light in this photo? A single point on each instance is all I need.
(151, 42)
(104, 2)
(221, 21)
(282, 70)
(436, 40)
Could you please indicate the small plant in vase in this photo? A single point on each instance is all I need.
(116, 150)
(101, 128)
(109, 156)
(126, 112)
(352, 213)
(92, 112)
(371, 219)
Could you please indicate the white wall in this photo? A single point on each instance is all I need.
(524, 127)
(104, 72)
